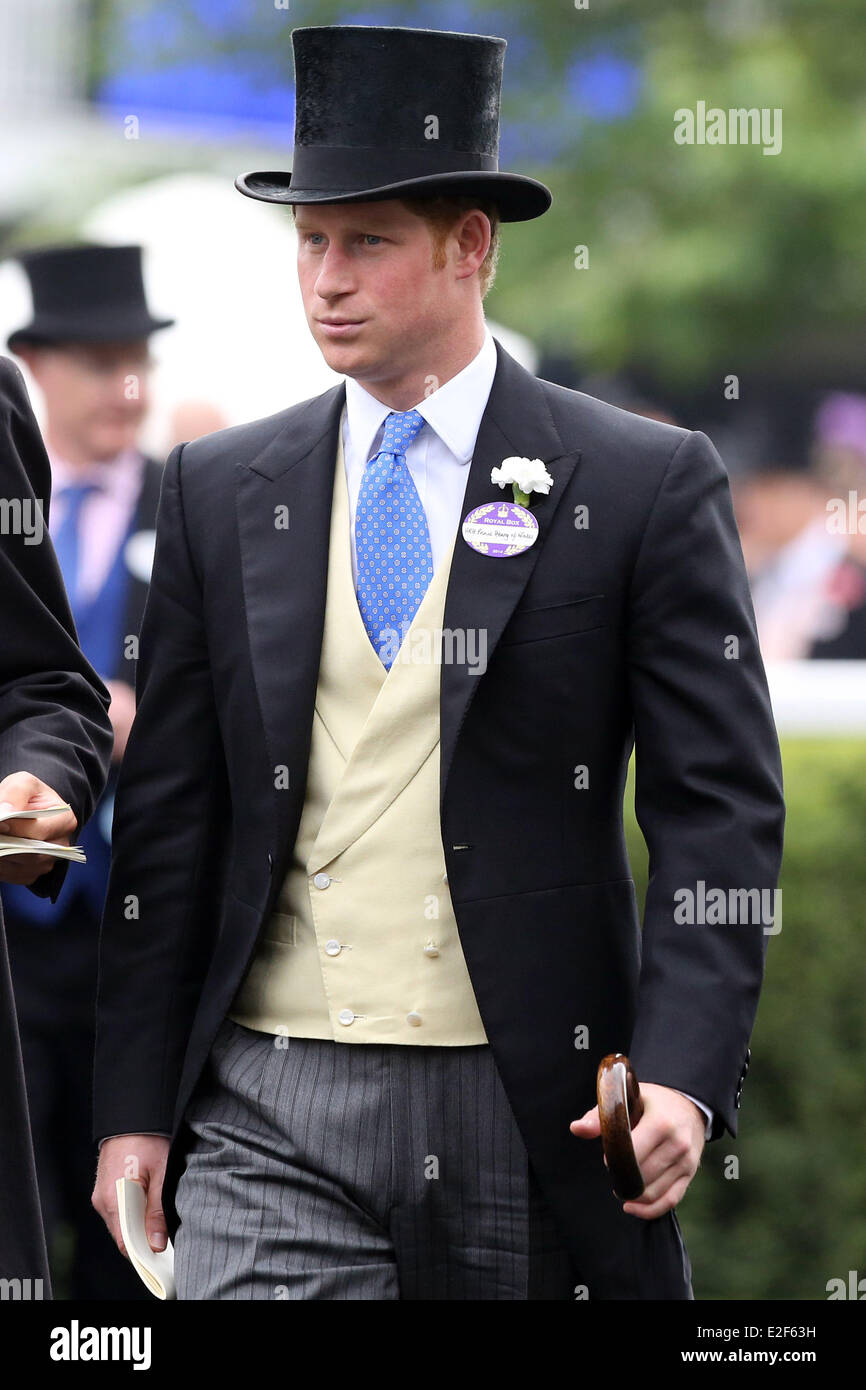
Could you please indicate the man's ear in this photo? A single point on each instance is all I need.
(473, 234)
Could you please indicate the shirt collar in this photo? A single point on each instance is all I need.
(454, 411)
(111, 475)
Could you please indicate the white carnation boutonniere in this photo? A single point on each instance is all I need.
(525, 475)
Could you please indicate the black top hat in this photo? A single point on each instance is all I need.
(387, 112)
(86, 294)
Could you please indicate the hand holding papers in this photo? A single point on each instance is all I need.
(25, 844)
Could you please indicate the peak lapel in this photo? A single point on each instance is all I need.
(284, 574)
(482, 590)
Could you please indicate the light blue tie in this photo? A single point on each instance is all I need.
(392, 541)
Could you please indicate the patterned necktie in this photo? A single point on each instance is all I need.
(66, 539)
(392, 542)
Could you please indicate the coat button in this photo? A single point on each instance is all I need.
(413, 1019)
(332, 948)
(431, 949)
(322, 880)
(346, 1016)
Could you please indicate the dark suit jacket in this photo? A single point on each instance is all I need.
(53, 723)
(75, 918)
(597, 637)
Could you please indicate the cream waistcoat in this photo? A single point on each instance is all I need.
(363, 943)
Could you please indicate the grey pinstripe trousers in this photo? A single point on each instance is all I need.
(323, 1170)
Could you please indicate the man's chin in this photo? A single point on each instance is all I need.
(349, 359)
(104, 447)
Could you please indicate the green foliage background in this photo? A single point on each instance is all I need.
(796, 1215)
(703, 260)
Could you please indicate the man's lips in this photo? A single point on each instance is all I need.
(338, 327)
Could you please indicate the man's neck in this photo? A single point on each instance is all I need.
(76, 457)
(405, 391)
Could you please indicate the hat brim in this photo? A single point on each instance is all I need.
(53, 332)
(518, 197)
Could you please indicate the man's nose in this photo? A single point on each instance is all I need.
(335, 273)
(128, 384)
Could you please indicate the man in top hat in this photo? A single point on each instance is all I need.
(370, 926)
(87, 348)
(55, 746)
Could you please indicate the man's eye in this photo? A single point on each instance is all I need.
(371, 236)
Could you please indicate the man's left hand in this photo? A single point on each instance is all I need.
(668, 1142)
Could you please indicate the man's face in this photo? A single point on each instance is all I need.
(369, 265)
(96, 394)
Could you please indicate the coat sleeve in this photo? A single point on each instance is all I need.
(53, 723)
(708, 788)
(171, 797)
(53, 706)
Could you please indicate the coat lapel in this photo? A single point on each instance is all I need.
(284, 574)
(483, 591)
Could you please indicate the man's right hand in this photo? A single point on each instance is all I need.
(139, 1156)
(23, 791)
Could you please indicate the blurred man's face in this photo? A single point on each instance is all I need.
(96, 394)
(369, 267)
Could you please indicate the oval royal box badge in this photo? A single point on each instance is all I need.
(500, 528)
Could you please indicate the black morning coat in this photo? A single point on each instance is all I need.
(53, 723)
(628, 622)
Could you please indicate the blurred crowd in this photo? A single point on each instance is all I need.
(799, 496)
(803, 533)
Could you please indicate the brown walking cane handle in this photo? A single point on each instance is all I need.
(619, 1109)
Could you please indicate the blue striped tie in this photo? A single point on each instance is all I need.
(392, 540)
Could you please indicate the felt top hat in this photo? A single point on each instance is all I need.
(389, 112)
(86, 294)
